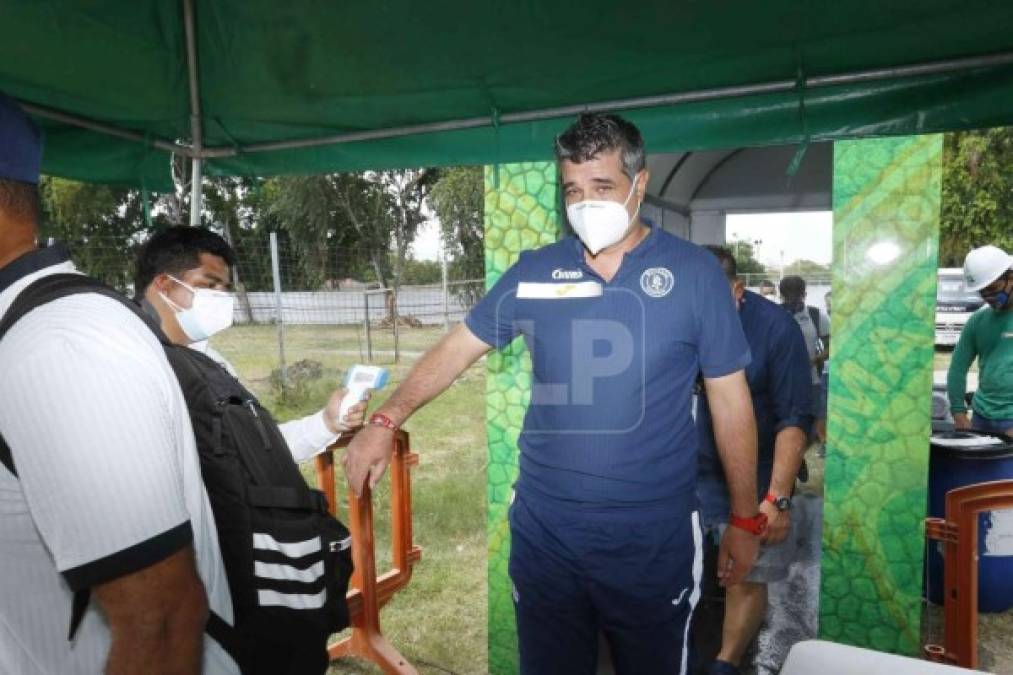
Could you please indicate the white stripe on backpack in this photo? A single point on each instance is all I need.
(296, 549)
(291, 600)
(288, 573)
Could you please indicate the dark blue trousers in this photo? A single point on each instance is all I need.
(632, 574)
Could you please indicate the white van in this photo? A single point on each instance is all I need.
(954, 305)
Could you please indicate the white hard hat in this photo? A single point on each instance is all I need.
(984, 265)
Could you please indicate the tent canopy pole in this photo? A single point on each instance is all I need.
(196, 133)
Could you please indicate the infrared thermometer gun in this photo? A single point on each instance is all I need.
(358, 380)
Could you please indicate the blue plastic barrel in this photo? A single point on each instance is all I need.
(951, 468)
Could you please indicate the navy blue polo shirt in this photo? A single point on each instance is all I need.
(780, 385)
(613, 367)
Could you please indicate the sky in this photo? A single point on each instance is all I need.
(800, 235)
(427, 241)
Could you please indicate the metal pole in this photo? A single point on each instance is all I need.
(196, 194)
(276, 273)
(102, 128)
(446, 293)
(397, 332)
(192, 76)
(196, 133)
(369, 335)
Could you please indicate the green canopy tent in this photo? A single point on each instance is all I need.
(257, 87)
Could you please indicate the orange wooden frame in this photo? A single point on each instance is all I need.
(368, 593)
(959, 534)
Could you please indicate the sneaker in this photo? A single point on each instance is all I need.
(722, 668)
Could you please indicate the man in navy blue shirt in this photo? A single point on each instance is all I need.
(619, 321)
(779, 381)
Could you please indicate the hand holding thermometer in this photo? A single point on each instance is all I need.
(358, 380)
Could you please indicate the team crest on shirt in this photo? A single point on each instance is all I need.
(657, 282)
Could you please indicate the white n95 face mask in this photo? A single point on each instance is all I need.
(600, 223)
(210, 312)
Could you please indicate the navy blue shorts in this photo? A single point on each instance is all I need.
(633, 575)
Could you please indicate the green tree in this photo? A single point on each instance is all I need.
(303, 210)
(102, 225)
(348, 225)
(407, 191)
(807, 269)
(417, 272)
(459, 202)
(745, 257)
(977, 193)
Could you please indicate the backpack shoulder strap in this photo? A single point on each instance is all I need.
(53, 287)
(56, 286)
(814, 316)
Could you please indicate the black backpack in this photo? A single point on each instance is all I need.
(287, 560)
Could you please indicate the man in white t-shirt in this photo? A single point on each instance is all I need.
(107, 494)
(182, 280)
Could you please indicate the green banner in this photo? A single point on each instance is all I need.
(520, 213)
(886, 196)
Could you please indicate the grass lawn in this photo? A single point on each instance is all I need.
(439, 620)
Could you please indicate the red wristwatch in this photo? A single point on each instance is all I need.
(381, 420)
(756, 525)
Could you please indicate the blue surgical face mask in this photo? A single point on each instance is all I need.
(999, 299)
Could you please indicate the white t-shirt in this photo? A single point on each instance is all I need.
(108, 476)
(813, 335)
(306, 437)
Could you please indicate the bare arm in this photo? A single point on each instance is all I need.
(789, 446)
(956, 376)
(735, 436)
(369, 452)
(156, 618)
(434, 372)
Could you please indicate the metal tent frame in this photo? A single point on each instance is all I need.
(196, 151)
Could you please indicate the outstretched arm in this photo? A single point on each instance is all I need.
(369, 452)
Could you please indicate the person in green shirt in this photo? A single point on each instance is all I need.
(987, 336)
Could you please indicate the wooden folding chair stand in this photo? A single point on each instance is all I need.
(959, 534)
(367, 593)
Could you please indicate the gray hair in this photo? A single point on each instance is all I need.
(595, 133)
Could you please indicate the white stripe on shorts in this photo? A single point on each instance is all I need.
(694, 596)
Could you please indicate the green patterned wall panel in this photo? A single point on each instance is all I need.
(886, 227)
(520, 213)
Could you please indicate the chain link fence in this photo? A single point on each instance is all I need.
(315, 306)
(301, 305)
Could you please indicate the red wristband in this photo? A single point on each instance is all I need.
(381, 420)
(756, 525)
(771, 497)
